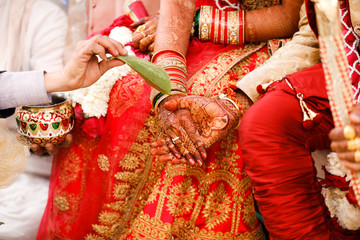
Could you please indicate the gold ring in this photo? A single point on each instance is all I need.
(351, 145)
(357, 156)
(141, 28)
(144, 34)
(349, 132)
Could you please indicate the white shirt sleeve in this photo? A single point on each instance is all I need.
(22, 88)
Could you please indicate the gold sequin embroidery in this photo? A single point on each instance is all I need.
(61, 203)
(103, 162)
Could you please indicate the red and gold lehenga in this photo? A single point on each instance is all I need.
(111, 187)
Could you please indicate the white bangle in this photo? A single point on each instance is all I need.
(224, 96)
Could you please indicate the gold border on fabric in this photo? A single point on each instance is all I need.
(213, 71)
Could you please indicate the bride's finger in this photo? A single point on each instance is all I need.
(173, 148)
(160, 150)
(189, 144)
(175, 138)
(166, 158)
(195, 138)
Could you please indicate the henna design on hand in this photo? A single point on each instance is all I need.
(196, 123)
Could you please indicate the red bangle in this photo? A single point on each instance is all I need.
(174, 64)
(225, 27)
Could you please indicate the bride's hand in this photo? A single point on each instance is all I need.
(180, 128)
(213, 119)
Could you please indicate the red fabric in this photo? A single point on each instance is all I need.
(75, 173)
(138, 9)
(123, 20)
(277, 154)
(334, 181)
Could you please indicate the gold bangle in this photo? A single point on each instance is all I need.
(141, 28)
(205, 23)
(224, 96)
(171, 62)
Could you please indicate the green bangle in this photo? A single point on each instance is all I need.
(156, 98)
(195, 25)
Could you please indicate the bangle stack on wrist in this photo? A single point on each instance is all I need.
(224, 27)
(174, 64)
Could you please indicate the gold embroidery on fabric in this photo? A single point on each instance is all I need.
(134, 172)
(249, 215)
(204, 81)
(70, 169)
(128, 91)
(103, 162)
(213, 204)
(144, 229)
(177, 199)
(121, 190)
(217, 207)
(61, 203)
(126, 176)
(93, 237)
(109, 218)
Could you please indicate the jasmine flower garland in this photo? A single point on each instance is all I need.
(348, 215)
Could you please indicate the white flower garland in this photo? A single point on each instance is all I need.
(347, 214)
(94, 99)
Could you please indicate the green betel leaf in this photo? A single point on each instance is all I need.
(153, 75)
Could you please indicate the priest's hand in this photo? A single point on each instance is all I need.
(84, 67)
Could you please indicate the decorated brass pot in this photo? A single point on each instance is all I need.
(48, 123)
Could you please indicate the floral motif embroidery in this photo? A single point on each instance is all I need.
(103, 162)
(61, 203)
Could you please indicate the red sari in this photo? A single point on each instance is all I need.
(110, 186)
